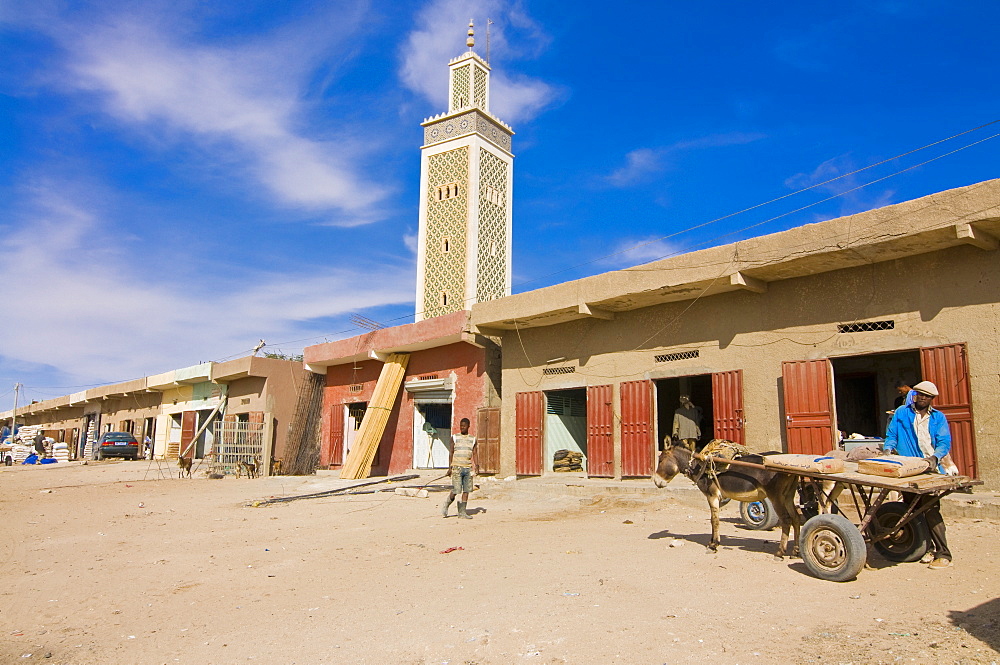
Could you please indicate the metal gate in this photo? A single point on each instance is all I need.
(237, 442)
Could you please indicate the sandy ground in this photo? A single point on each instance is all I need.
(103, 567)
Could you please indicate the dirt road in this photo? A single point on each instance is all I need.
(102, 567)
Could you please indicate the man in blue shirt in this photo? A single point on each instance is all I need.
(920, 430)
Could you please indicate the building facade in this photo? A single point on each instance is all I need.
(180, 411)
(451, 374)
(785, 342)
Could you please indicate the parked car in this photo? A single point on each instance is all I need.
(117, 444)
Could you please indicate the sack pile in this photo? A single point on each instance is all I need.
(567, 460)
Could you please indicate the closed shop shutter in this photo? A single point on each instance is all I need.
(528, 433)
(948, 368)
(333, 451)
(188, 421)
(638, 446)
(808, 406)
(600, 444)
(488, 440)
(727, 406)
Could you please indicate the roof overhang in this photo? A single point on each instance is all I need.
(966, 216)
(427, 334)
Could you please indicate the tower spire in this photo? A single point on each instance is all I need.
(470, 41)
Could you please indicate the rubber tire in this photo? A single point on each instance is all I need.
(758, 515)
(909, 543)
(832, 548)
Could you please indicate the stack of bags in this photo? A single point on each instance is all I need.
(60, 451)
(567, 460)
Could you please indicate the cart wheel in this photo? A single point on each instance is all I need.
(832, 548)
(907, 543)
(758, 515)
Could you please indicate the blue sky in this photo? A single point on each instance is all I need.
(180, 179)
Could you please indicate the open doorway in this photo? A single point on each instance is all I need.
(866, 389)
(698, 389)
(205, 442)
(431, 436)
(354, 413)
(565, 429)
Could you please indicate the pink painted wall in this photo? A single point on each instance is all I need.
(468, 363)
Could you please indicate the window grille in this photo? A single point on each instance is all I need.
(558, 370)
(680, 355)
(866, 326)
(356, 388)
(427, 377)
(562, 405)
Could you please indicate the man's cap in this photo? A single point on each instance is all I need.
(927, 388)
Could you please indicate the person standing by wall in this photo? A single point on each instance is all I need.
(919, 430)
(461, 470)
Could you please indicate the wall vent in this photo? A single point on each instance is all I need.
(680, 355)
(866, 326)
(558, 370)
(356, 388)
(427, 377)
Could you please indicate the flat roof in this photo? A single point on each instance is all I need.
(427, 334)
(967, 215)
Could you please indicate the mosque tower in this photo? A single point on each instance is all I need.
(466, 177)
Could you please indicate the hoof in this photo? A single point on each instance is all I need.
(778, 558)
(712, 550)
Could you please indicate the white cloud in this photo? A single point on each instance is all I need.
(240, 104)
(835, 177)
(636, 251)
(440, 36)
(639, 165)
(85, 305)
(642, 164)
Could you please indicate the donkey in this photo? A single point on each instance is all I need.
(734, 482)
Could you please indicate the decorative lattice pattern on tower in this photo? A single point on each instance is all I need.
(444, 272)
(479, 88)
(491, 253)
(460, 87)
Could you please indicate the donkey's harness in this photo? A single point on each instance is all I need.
(717, 450)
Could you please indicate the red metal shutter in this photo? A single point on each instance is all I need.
(808, 406)
(528, 433)
(333, 457)
(727, 405)
(948, 367)
(488, 440)
(600, 445)
(638, 445)
(188, 421)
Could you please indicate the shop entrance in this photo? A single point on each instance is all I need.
(565, 430)
(866, 392)
(853, 394)
(698, 389)
(431, 436)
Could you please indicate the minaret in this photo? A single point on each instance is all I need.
(466, 177)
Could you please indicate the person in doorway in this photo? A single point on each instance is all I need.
(902, 390)
(687, 423)
(918, 429)
(147, 448)
(461, 470)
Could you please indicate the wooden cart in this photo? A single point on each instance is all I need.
(834, 546)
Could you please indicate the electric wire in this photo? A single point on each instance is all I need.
(676, 233)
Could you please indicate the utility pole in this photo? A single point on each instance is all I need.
(13, 414)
